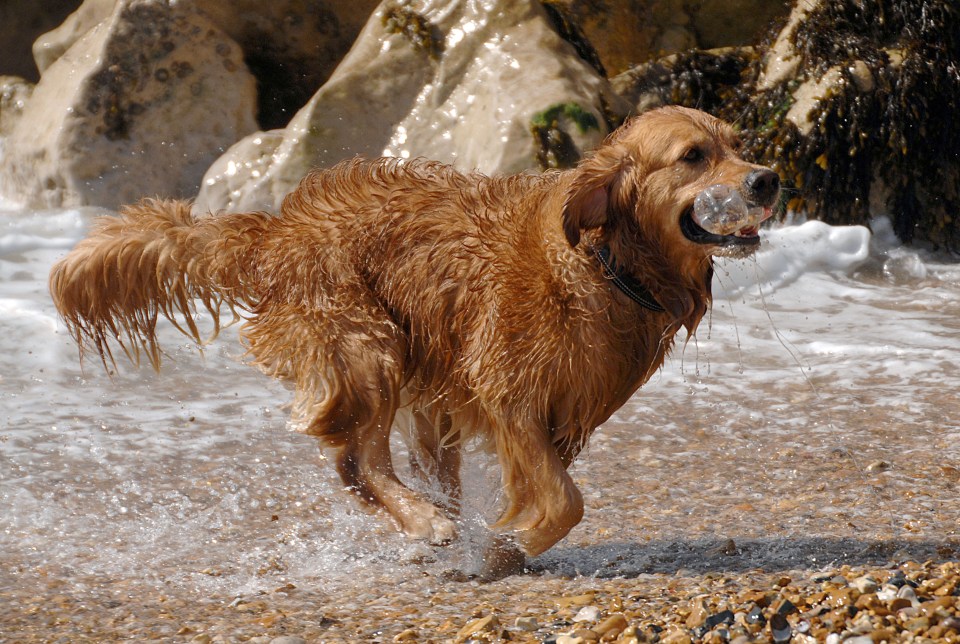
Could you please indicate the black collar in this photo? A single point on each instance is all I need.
(628, 284)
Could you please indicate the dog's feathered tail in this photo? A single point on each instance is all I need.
(153, 260)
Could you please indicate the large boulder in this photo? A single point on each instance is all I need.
(488, 86)
(625, 33)
(21, 21)
(50, 46)
(854, 103)
(290, 46)
(14, 94)
(141, 104)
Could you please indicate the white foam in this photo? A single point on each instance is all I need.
(788, 253)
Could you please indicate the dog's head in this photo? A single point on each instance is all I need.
(639, 187)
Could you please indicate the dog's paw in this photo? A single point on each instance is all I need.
(430, 525)
(501, 558)
(442, 530)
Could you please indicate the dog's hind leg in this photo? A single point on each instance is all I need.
(435, 454)
(365, 465)
(346, 360)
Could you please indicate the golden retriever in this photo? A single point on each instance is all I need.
(520, 309)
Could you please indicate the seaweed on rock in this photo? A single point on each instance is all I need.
(865, 125)
(708, 80)
(555, 147)
(885, 135)
(416, 28)
(567, 28)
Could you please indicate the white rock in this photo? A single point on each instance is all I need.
(865, 584)
(808, 96)
(139, 106)
(14, 94)
(782, 61)
(568, 638)
(292, 47)
(469, 103)
(528, 624)
(587, 614)
(859, 639)
(53, 44)
(907, 592)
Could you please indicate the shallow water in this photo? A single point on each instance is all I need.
(813, 420)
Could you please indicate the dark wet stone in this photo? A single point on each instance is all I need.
(898, 579)
(779, 629)
(786, 607)
(755, 616)
(725, 617)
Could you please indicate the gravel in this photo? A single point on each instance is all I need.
(908, 602)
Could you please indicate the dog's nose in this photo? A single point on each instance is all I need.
(762, 186)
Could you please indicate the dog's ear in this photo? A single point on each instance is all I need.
(587, 203)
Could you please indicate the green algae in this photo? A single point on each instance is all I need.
(416, 28)
(555, 147)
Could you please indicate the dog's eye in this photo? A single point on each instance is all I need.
(693, 155)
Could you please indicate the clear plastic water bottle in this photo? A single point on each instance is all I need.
(720, 210)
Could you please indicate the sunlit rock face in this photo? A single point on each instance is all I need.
(290, 46)
(21, 21)
(54, 44)
(139, 105)
(482, 85)
(14, 94)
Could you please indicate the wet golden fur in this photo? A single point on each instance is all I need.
(473, 303)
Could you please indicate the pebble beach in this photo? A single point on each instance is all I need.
(911, 602)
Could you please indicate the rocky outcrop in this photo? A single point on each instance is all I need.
(707, 80)
(139, 105)
(486, 86)
(14, 94)
(626, 33)
(50, 46)
(21, 22)
(290, 46)
(854, 104)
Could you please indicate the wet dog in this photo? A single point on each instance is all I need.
(523, 309)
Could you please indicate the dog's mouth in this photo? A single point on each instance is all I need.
(745, 237)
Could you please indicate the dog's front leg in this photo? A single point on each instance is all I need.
(543, 503)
